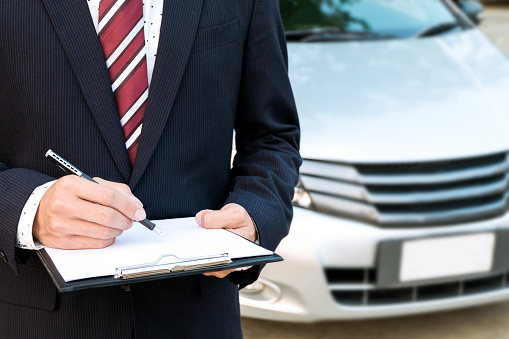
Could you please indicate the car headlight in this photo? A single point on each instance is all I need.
(301, 197)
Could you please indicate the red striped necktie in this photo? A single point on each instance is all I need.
(123, 43)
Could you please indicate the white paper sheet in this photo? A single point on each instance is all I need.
(138, 245)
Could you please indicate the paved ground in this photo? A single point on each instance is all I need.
(487, 322)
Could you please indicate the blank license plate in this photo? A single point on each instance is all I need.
(446, 256)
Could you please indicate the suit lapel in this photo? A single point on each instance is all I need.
(178, 30)
(73, 23)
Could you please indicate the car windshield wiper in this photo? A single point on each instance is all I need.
(437, 29)
(333, 35)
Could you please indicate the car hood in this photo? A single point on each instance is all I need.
(401, 100)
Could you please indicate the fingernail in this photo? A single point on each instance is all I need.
(198, 218)
(140, 215)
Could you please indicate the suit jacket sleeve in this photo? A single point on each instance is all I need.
(265, 168)
(16, 186)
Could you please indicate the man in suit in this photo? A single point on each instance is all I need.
(219, 67)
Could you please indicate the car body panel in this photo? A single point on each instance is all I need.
(445, 96)
(317, 241)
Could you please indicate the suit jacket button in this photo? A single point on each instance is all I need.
(3, 256)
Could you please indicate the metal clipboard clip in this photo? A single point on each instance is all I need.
(169, 263)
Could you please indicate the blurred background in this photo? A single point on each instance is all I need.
(401, 224)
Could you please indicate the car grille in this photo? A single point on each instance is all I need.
(356, 287)
(429, 193)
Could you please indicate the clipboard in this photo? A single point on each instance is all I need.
(167, 265)
(76, 285)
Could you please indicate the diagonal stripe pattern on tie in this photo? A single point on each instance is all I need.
(123, 42)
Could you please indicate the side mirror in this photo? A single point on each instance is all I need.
(473, 9)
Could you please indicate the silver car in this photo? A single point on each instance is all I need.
(402, 204)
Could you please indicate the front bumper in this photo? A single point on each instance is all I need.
(300, 288)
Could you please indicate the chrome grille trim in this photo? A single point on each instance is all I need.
(428, 194)
(330, 170)
(357, 192)
(453, 215)
(459, 193)
(368, 212)
(459, 175)
(443, 217)
(431, 166)
(334, 187)
(331, 204)
(351, 287)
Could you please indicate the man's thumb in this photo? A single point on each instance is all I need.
(205, 219)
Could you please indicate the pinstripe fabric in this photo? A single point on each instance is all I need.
(123, 43)
(220, 66)
(84, 319)
(168, 73)
(87, 81)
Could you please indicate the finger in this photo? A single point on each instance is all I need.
(78, 242)
(199, 216)
(100, 215)
(91, 230)
(219, 274)
(122, 188)
(67, 217)
(230, 216)
(242, 231)
(110, 197)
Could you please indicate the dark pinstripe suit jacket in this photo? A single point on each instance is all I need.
(221, 65)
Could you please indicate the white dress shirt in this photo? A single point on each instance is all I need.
(152, 13)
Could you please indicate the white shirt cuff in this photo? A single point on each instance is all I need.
(24, 237)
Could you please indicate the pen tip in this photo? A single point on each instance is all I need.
(158, 231)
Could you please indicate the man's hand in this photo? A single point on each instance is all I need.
(76, 213)
(231, 217)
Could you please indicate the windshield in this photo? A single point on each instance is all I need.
(368, 18)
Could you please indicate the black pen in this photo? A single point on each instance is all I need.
(71, 169)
